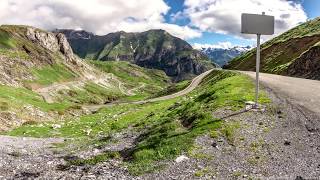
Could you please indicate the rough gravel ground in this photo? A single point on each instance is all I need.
(26, 157)
(281, 143)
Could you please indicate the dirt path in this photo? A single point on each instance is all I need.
(195, 82)
(304, 92)
(48, 93)
(131, 91)
(121, 87)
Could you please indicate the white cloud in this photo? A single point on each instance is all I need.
(98, 16)
(223, 16)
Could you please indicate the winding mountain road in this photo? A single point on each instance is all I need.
(304, 92)
(194, 83)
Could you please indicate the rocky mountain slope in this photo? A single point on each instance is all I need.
(222, 56)
(293, 53)
(152, 49)
(28, 53)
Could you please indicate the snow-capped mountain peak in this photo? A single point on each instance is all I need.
(222, 55)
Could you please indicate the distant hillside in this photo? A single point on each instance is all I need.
(293, 53)
(152, 49)
(222, 56)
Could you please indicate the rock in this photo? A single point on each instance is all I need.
(299, 178)
(96, 151)
(182, 158)
(65, 48)
(56, 126)
(220, 140)
(286, 142)
(248, 107)
(250, 103)
(45, 39)
(214, 144)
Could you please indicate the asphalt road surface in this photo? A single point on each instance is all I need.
(304, 92)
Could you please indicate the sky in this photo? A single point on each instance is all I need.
(203, 23)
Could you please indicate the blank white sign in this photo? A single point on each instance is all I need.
(257, 24)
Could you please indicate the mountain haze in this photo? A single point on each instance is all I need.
(152, 49)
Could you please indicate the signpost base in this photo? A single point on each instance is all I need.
(252, 106)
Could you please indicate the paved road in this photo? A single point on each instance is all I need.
(195, 82)
(304, 92)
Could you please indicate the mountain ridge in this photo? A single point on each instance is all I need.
(151, 49)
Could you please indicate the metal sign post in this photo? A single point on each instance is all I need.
(259, 25)
(257, 71)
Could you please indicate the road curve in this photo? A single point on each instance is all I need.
(304, 92)
(194, 83)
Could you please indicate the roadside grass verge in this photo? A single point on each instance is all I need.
(173, 88)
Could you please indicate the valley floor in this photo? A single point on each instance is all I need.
(281, 142)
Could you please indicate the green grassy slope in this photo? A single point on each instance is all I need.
(281, 54)
(14, 98)
(169, 127)
(45, 66)
(133, 76)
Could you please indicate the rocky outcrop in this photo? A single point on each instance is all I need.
(64, 47)
(44, 39)
(152, 49)
(55, 42)
(307, 65)
(33, 48)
